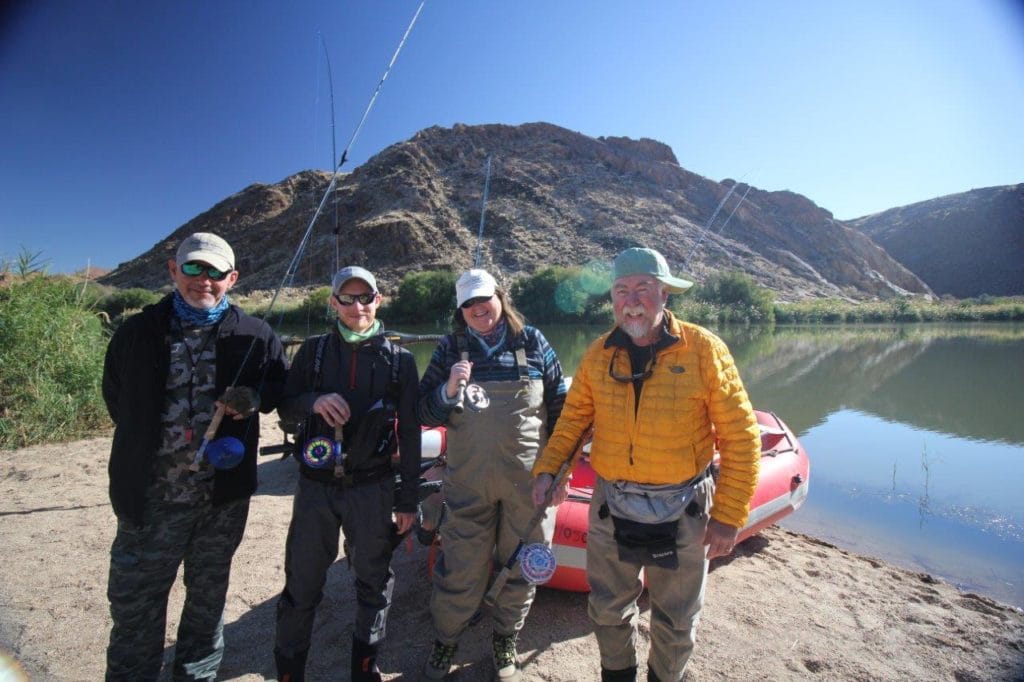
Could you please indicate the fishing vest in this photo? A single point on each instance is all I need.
(369, 450)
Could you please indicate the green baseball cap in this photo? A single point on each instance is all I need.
(638, 261)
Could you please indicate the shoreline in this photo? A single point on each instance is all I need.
(783, 606)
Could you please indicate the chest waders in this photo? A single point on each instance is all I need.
(487, 489)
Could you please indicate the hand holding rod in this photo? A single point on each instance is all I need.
(460, 403)
(538, 515)
(211, 431)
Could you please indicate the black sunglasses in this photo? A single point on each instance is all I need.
(473, 301)
(193, 269)
(638, 376)
(349, 299)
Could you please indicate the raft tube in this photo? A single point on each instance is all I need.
(781, 489)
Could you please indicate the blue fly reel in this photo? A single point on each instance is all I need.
(225, 453)
(537, 563)
(318, 452)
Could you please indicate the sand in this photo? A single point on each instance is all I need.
(783, 606)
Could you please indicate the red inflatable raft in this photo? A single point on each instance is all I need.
(781, 489)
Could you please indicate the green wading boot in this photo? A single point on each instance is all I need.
(506, 662)
(440, 661)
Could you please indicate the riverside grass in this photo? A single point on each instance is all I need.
(51, 363)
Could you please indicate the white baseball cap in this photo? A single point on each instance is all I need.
(474, 284)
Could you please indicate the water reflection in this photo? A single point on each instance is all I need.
(916, 443)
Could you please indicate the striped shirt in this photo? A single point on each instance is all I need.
(434, 407)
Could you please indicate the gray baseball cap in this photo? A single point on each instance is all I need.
(352, 272)
(640, 261)
(208, 248)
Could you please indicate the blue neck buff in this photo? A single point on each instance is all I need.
(198, 317)
(492, 341)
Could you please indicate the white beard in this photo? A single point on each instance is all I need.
(635, 328)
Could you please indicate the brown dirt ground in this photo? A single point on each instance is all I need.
(784, 606)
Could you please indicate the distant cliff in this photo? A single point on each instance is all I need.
(556, 198)
(963, 245)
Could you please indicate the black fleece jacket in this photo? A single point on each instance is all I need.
(134, 380)
(361, 374)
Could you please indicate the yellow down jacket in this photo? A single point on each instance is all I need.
(693, 398)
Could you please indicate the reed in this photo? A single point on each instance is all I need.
(51, 363)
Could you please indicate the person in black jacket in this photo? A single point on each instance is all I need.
(355, 380)
(168, 370)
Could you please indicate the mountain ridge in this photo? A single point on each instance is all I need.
(557, 197)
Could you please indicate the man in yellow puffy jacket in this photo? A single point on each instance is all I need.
(662, 395)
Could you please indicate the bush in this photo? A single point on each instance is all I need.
(51, 364)
(559, 294)
(427, 296)
(120, 300)
(737, 298)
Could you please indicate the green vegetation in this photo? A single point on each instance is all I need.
(726, 298)
(566, 295)
(52, 337)
(427, 296)
(833, 311)
(51, 363)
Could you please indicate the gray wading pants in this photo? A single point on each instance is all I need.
(143, 565)
(363, 514)
(487, 488)
(676, 595)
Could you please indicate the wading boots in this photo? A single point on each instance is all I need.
(506, 663)
(440, 661)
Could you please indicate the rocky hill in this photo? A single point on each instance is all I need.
(963, 245)
(556, 198)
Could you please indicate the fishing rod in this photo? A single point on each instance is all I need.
(734, 209)
(403, 338)
(304, 242)
(334, 150)
(483, 212)
(460, 401)
(707, 226)
(543, 557)
(292, 268)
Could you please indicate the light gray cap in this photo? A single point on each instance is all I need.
(352, 272)
(208, 248)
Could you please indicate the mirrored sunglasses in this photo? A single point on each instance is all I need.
(193, 269)
(473, 301)
(349, 299)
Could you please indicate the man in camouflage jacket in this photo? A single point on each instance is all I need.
(166, 371)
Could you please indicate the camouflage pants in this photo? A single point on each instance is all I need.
(143, 566)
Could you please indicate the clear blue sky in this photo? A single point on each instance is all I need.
(122, 120)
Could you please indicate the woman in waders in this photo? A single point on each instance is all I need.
(346, 389)
(497, 386)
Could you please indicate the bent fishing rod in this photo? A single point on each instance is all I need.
(304, 242)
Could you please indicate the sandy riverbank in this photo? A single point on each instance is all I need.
(785, 606)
